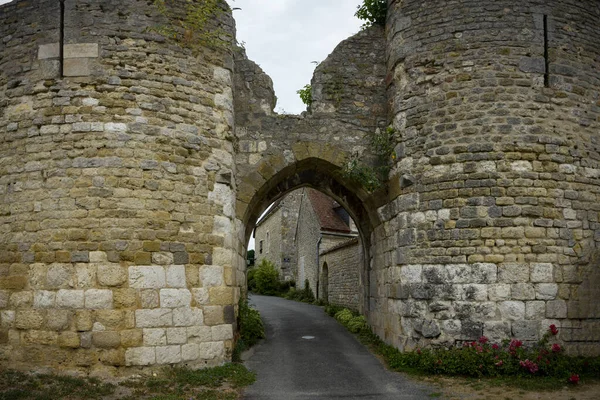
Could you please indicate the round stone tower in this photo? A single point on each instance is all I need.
(116, 188)
(495, 219)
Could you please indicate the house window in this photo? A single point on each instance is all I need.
(268, 243)
(260, 247)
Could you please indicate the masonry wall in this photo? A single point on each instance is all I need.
(493, 225)
(343, 267)
(116, 191)
(269, 233)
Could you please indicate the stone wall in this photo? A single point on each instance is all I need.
(343, 264)
(492, 225)
(116, 191)
(308, 241)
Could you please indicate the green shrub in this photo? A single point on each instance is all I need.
(344, 316)
(251, 282)
(357, 323)
(266, 279)
(251, 328)
(373, 12)
(332, 309)
(304, 295)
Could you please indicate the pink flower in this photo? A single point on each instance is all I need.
(574, 379)
(483, 340)
(418, 351)
(553, 329)
(529, 365)
(499, 363)
(514, 345)
(555, 348)
(495, 346)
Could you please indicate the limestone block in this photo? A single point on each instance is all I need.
(477, 292)
(451, 327)
(154, 318)
(23, 299)
(50, 50)
(210, 350)
(460, 273)
(484, 273)
(173, 298)
(221, 295)
(496, 331)
(58, 320)
(106, 339)
(222, 332)
(39, 337)
(80, 50)
(111, 275)
(69, 339)
(190, 352)
(155, 337)
(168, 354)
(535, 310)
(7, 318)
(96, 256)
(200, 333)
(60, 276)
(211, 275)
(556, 309)
(176, 335)
(526, 330)
(522, 291)
(29, 319)
(70, 299)
(222, 257)
(498, 292)
(44, 299)
(186, 316)
(162, 258)
(150, 298)
(86, 276)
(125, 298)
(86, 339)
(4, 298)
(213, 315)
(542, 272)
(513, 273)
(411, 274)
(512, 310)
(176, 276)
(140, 356)
(131, 337)
(546, 291)
(98, 299)
(147, 277)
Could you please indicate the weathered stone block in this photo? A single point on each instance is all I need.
(153, 318)
(106, 339)
(535, 310)
(131, 337)
(222, 332)
(80, 50)
(98, 299)
(200, 333)
(556, 309)
(150, 298)
(542, 272)
(211, 350)
(411, 274)
(168, 354)
(211, 275)
(221, 295)
(70, 299)
(147, 277)
(499, 292)
(58, 320)
(526, 330)
(50, 50)
(29, 319)
(546, 291)
(176, 277)
(176, 335)
(496, 331)
(512, 310)
(513, 273)
(69, 339)
(187, 316)
(190, 352)
(44, 299)
(60, 276)
(111, 275)
(522, 291)
(173, 298)
(162, 258)
(140, 356)
(155, 337)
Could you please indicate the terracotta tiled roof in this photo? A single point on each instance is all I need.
(324, 208)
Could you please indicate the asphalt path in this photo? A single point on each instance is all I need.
(309, 355)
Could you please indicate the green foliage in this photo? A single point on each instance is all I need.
(198, 27)
(357, 324)
(250, 257)
(250, 325)
(371, 178)
(304, 295)
(332, 309)
(373, 12)
(265, 279)
(306, 95)
(344, 316)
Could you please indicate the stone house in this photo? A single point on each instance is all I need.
(302, 227)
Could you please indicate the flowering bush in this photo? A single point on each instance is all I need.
(510, 358)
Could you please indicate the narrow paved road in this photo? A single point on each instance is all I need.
(308, 355)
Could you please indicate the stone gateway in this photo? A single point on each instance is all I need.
(133, 170)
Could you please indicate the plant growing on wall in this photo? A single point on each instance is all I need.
(373, 12)
(197, 27)
(371, 178)
(306, 95)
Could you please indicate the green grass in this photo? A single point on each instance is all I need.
(217, 383)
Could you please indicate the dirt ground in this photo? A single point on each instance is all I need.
(457, 388)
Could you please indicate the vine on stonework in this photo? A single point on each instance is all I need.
(197, 28)
(372, 178)
(373, 12)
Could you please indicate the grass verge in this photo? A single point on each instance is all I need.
(217, 383)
